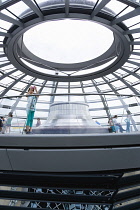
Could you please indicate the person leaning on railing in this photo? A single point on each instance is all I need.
(112, 127)
(117, 125)
(31, 106)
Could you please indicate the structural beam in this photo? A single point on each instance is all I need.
(8, 4)
(5, 34)
(5, 64)
(131, 73)
(127, 84)
(2, 56)
(133, 62)
(67, 7)
(83, 91)
(135, 43)
(10, 86)
(3, 45)
(133, 31)
(129, 15)
(31, 5)
(106, 108)
(11, 20)
(7, 74)
(22, 93)
(53, 91)
(135, 53)
(98, 8)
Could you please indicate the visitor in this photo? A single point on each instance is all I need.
(1, 124)
(31, 106)
(8, 122)
(112, 127)
(117, 124)
(127, 120)
(38, 123)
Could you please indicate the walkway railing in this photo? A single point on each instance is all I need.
(66, 117)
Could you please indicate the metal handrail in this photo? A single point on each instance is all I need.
(70, 94)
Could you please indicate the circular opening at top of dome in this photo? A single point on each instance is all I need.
(68, 41)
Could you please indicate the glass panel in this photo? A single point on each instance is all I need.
(28, 78)
(2, 38)
(117, 84)
(129, 65)
(6, 81)
(104, 87)
(77, 99)
(90, 89)
(119, 111)
(3, 30)
(60, 98)
(116, 6)
(99, 80)
(137, 87)
(20, 85)
(41, 3)
(132, 21)
(131, 79)
(19, 9)
(136, 47)
(125, 91)
(129, 9)
(110, 77)
(1, 89)
(76, 90)
(8, 13)
(93, 98)
(74, 84)
(87, 82)
(114, 103)
(134, 26)
(95, 105)
(17, 74)
(137, 35)
(137, 61)
(3, 59)
(60, 90)
(95, 69)
(5, 25)
(100, 113)
(90, 2)
(135, 57)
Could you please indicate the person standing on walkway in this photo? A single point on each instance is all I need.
(31, 106)
(127, 120)
(8, 122)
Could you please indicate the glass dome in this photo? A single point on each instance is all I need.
(112, 91)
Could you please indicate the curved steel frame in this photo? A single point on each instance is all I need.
(12, 51)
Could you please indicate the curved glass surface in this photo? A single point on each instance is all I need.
(125, 80)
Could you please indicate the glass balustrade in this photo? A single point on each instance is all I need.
(105, 113)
